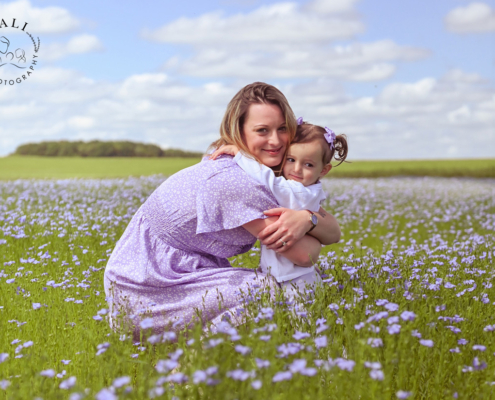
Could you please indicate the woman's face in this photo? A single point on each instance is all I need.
(265, 133)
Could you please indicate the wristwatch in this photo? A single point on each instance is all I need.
(313, 219)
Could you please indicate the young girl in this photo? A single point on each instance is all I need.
(308, 159)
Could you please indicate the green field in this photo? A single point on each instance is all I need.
(405, 310)
(28, 167)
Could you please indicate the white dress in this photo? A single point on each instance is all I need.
(289, 194)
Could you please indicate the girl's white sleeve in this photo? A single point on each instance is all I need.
(289, 194)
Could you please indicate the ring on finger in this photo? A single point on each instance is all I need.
(284, 243)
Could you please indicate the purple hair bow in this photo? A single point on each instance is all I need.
(300, 121)
(329, 136)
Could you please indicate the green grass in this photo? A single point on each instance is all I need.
(29, 167)
(475, 168)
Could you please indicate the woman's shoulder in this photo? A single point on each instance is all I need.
(224, 167)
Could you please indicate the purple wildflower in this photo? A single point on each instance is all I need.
(401, 394)
(146, 323)
(373, 365)
(408, 316)
(238, 375)
(3, 357)
(391, 307)
(49, 373)
(122, 381)
(282, 376)
(4, 384)
(426, 342)
(244, 350)
(300, 335)
(105, 394)
(320, 342)
(256, 385)
(169, 336)
(262, 363)
(178, 377)
(213, 343)
(377, 374)
(479, 347)
(462, 341)
(163, 366)
(297, 365)
(359, 326)
(68, 383)
(65, 362)
(199, 376)
(393, 329)
(343, 364)
(375, 342)
(477, 365)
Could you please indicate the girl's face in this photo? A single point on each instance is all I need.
(304, 163)
(265, 133)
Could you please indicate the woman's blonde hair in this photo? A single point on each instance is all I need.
(236, 113)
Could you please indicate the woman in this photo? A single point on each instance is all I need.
(171, 260)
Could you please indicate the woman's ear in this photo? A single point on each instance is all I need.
(326, 169)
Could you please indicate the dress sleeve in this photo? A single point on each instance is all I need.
(229, 198)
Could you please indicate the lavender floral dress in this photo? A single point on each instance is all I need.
(171, 260)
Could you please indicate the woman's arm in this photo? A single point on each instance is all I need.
(293, 225)
(303, 253)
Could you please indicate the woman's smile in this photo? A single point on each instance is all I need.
(274, 152)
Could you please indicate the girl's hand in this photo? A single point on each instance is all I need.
(290, 227)
(226, 149)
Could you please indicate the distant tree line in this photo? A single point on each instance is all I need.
(97, 148)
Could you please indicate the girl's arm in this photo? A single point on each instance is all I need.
(289, 194)
(303, 253)
(293, 225)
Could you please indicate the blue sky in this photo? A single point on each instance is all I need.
(409, 79)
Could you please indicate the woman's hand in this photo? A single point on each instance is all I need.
(229, 149)
(293, 225)
(290, 227)
(303, 252)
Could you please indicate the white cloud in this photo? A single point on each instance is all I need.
(332, 6)
(40, 20)
(429, 118)
(63, 104)
(410, 120)
(281, 23)
(78, 122)
(358, 62)
(282, 41)
(80, 44)
(474, 18)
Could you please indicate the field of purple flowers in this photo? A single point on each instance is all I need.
(406, 309)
